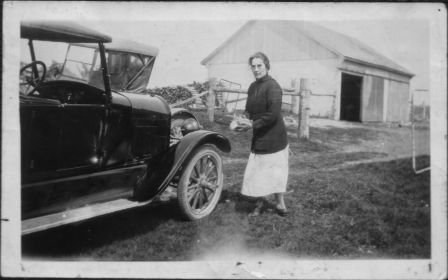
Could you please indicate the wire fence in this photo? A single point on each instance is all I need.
(420, 131)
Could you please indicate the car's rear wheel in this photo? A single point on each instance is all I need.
(200, 185)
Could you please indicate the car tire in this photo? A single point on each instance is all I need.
(201, 183)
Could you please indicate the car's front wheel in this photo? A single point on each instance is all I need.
(200, 185)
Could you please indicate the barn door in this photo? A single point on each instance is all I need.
(373, 99)
(351, 86)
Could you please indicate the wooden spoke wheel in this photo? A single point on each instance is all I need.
(200, 185)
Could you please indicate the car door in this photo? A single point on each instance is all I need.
(66, 151)
(81, 134)
(40, 122)
(61, 146)
(91, 130)
(85, 124)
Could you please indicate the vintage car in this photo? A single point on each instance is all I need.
(93, 144)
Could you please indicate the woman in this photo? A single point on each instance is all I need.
(267, 169)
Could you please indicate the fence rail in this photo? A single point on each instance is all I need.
(328, 95)
(236, 100)
(299, 104)
(189, 99)
(286, 91)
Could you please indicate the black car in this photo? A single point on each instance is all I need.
(92, 143)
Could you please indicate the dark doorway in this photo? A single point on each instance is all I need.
(351, 98)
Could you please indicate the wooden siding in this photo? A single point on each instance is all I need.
(293, 45)
(385, 99)
(279, 42)
(238, 73)
(323, 80)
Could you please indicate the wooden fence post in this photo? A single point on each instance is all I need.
(295, 98)
(303, 131)
(213, 82)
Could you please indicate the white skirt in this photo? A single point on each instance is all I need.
(266, 174)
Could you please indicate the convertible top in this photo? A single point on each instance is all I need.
(129, 46)
(132, 47)
(61, 31)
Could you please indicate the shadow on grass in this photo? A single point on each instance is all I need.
(243, 205)
(74, 239)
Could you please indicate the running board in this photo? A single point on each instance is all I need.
(78, 214)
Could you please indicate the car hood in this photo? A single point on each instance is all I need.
(153, 103)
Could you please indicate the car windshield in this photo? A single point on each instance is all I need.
(82, 64)
(65, 62)
(75, 62)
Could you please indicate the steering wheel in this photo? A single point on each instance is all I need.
(28, 82)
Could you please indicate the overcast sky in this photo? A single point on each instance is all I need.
(186, 34)
(183, 44)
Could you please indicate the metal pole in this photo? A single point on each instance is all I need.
(414, 154)
(106, 76)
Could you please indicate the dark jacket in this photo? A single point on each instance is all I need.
(263, 106)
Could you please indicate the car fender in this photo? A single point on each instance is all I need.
(178, 112)
(183, 114)
(161, 171)
(196, 138)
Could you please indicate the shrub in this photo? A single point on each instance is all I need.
(200, 87)
(180, 93)
(171, 94)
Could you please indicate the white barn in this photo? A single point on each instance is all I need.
(349, 80)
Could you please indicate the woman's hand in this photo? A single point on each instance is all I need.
(240, 123)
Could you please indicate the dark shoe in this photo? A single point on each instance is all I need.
(255, 213)
(282, 211)
(257, 209)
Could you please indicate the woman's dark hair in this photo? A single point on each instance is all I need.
(261, 56)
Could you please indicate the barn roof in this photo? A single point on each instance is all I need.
(349, 48)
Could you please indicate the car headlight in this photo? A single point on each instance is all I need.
(190, 125)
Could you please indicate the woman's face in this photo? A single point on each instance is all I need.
(258, 68)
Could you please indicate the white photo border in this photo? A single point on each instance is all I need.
(12, 264)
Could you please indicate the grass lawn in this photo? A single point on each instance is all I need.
(364, 210)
